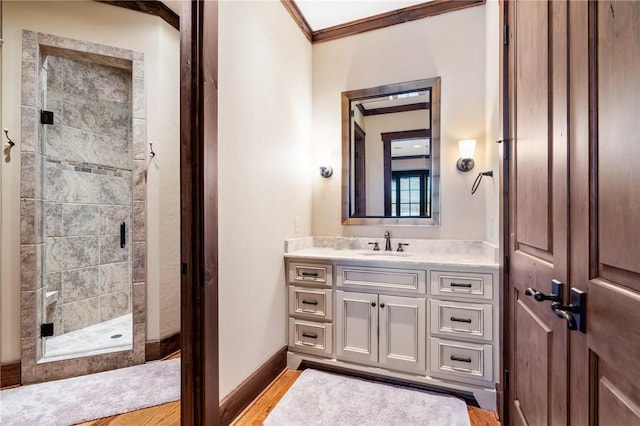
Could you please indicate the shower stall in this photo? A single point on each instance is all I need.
(87, 200)
(82, 207)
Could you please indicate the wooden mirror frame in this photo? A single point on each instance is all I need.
(347, 97)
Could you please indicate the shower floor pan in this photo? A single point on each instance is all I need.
(108, 336)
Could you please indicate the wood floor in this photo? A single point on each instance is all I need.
(254, 415)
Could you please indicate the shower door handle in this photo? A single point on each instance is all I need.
(123, 233)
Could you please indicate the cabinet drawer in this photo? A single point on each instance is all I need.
(310, 273)
(393, 279)
(464, 284)
(310, 337)
(468, 361)
(311, 303)
(458, 319)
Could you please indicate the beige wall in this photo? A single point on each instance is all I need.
(451, 46)
(99, 23)
(491, 187)
(265, 175)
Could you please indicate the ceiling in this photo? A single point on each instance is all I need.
(321, 14)
(322, 20)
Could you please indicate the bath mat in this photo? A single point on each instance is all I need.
(319, 398)
(90, 397)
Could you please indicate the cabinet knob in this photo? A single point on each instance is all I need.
(382, 305)
(373, 304)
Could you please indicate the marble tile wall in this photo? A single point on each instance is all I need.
(81, 177)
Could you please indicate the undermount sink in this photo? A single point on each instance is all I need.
(385, 253)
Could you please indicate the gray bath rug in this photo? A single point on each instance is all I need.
(79, 399)
(319, 398)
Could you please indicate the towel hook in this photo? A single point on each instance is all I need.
(151, 153)
(10, 143)
(476, 183)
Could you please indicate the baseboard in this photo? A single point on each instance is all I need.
(10, 374)
(158, 349)
(243, 395)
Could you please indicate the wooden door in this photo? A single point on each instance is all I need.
(402, 333)
(538, 210)
(605, 214)
(574, 80)
(357, 326)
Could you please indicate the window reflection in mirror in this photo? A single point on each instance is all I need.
(391, 154)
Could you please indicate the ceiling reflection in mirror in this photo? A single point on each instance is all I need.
(391, 154)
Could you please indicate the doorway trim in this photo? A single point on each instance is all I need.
(199, 212)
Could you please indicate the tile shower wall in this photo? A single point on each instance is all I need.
(87, 191)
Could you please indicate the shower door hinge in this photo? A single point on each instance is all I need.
(46, 329)
(46, 117)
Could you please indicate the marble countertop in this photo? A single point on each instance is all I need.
(419, 252)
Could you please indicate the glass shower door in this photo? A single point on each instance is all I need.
(87, 207)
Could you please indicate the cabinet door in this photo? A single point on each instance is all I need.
(357, 326)
(402, 331)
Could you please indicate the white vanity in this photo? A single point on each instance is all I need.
(427, 315)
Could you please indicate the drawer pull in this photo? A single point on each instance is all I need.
(315, 336)
(309, 275)
(457, 358)
(309, 302)
(456, 319)
(465, 285)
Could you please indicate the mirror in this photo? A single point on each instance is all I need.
(391, 154)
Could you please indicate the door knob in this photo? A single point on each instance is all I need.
(556, 295)
(568, 316)
(574, 313)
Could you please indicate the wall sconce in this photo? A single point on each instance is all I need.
(465, 162)
(326, 171)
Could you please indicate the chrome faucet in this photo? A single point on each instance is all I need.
(387, 244)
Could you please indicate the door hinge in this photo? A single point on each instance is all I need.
(46, 117)
(505, 39)
(46, 329)
(506, 264)
(505, 381)
(506, 151)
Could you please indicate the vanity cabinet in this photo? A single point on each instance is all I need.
(414, 321)
(462, 326)
(310, 307)
(383, 330)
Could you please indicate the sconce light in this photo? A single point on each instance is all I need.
(326, 171)
(465, 162)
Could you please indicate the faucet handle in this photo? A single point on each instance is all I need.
(400, 246)
(375, 246)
